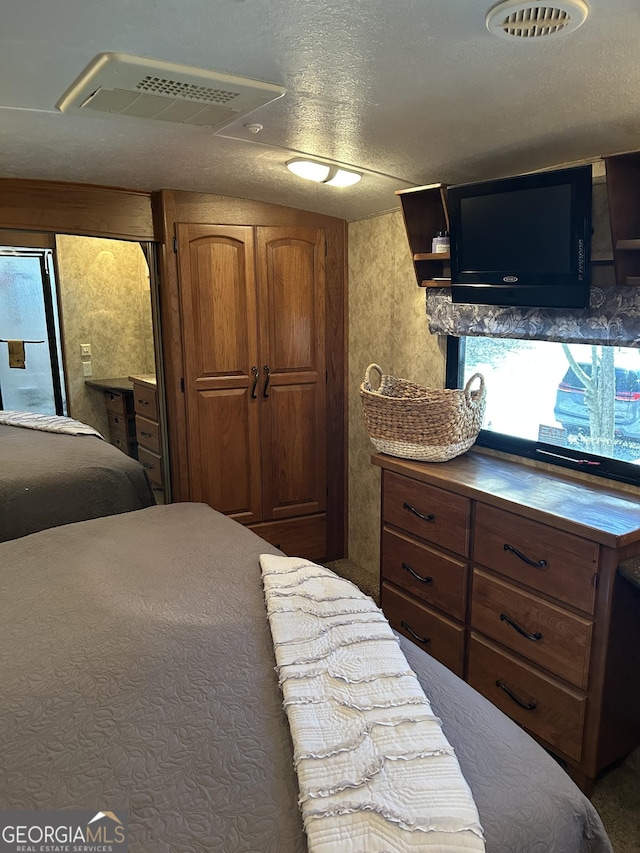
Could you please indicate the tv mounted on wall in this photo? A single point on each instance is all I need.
(522, 241)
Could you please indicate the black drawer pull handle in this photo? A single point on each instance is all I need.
(537, 636)
(424, 640)
(256, 374)
(528, 706)
(146, 434)
(418, 577)
(143, 402)
(430, 517)
(148, 466)
(537, 564)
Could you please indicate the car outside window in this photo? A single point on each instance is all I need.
(576, 405)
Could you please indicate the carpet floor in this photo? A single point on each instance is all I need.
(617, 792)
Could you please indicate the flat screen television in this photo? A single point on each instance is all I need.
(522, 241)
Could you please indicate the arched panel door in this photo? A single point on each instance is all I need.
(219, 331)
(291, 310)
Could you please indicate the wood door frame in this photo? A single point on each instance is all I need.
(46, 208)
(173, 206)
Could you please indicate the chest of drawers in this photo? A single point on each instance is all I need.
(424, 566)
(147, 425)
(508, 575)
(118, 397)
(122, 428)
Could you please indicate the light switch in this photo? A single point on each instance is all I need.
(86, 368)
(85, 350)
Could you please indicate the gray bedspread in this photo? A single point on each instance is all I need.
(48, 479)
(137, 674)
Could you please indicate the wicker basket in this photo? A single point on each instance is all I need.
(409, 420)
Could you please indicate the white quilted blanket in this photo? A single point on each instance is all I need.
(375, 770)
(46, 423)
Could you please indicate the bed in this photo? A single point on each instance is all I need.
(138, 675)
(53, 478)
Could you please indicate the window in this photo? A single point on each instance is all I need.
(575, 405)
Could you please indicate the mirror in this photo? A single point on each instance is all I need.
(105, 331)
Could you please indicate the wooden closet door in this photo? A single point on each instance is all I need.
(291, 287)
(219, 333)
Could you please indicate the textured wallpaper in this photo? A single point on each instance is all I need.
(387, 325)
(104, 301)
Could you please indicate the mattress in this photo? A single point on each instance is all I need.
(137, 675)
(48, 479)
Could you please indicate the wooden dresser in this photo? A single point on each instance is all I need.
(508, 575)
(118, 394)
(147, 420)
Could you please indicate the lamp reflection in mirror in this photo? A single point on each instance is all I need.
(323, 173)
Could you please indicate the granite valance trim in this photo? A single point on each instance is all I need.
(613, 319)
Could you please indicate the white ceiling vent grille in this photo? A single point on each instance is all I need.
(120, 85)
(535, 20)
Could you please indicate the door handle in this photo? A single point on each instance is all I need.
(409, 508)
(528, 706)
(423, 640)
(266, 384)
(534, 637)
(425, 579)
(256, 374)
(537, 564)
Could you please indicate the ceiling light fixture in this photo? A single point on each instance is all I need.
(323, 173)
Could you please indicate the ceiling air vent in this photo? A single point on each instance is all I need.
(535, 20)
(122, 85)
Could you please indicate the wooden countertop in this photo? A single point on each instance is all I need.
(122, 383)
(148, 379)
(600, 513)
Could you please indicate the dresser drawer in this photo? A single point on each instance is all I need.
(152, 463)
(544, 707)
(557, 640)
(148, 433)
(119, 425)
(564, 565)
(145, 400)
(116, 403)
(126, 445)
(439, 636)
(433, 514)
(437, 579)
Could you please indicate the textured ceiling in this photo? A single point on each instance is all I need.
(409, 92)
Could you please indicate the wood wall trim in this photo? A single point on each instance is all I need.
(337, 385)
(173, 206)
(27, 239)
(164, 214)
(226, 210)
(82, 209)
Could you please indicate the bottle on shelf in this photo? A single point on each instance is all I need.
(440, 243)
